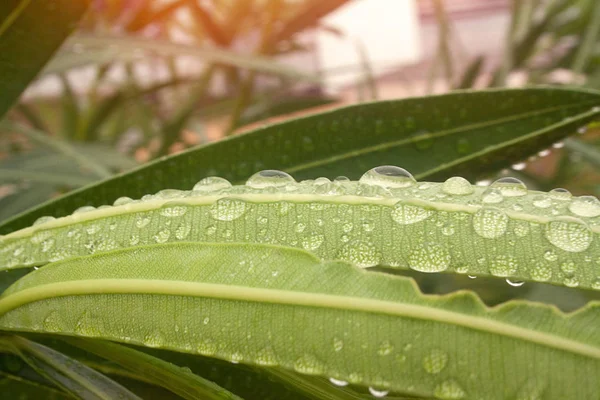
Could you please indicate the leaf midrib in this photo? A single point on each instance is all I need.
(286, 297)
(13, 16)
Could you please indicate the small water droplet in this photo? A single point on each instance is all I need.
(490, 222)
(182, 231)
(406, 214)
(544, 153)
(510, 187)
(519, 166)
(313, 241)
(472, 276)
(550, 255)
(385, 348)
(503, 265)
(585, 206)
(514, 283)
(492, 196)
(338, 344)
(269, 178)
(542, 201)
(568, 267)
(162, 236)
(569, 234)
(430, 257)
(309, 365)
(338, 382)
(377, 392)
(360, 253)
(388, 176)
(169, 194)
(121, 201)
(211, 184)
(560, 194)
(228, 209)
(457, 186)
(173, 211)
(449, 390)
(571, 281)
(84, 209)
(435, 361)
(141, 221)
(43, 220)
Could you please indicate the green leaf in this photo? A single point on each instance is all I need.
(74, 377)
(30, 32)
(461, 133)
(11, 384)
(178, 380)
(276, 306)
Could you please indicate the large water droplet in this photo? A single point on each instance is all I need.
(430, 257)
(338, 382)
(388, 176)
(457, 186)
(360, 253)
(449, 390)
(560, 194)
(585, 206)
(211, 184)
(542, 201)
(569, 234)
(490, 222)
(406, 214)
(435, 361)
(228, 209)
(378, 393)
(269, 178)
(503, 265)
(510, 187)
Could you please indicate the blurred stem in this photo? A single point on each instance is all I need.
(509, 44)
(60, 146)
(369, 81)
(211, 27)
(589, 41)
(588, 151)
(444, 39)
(265, 47)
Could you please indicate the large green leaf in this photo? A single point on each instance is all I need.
(275, 306)
(386, 218)
(30, 32)
(466, 133)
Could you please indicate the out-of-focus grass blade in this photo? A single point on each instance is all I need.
(471, 73)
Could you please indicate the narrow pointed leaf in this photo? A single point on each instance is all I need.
(503, 230)
(21, 58)
(72, 376)
(276, 306)
(461, 133)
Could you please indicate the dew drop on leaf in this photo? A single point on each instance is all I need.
(510, 187)
(388, 176)
(435, 361)
(503, 265)
(313, 241)
(569, 234)
(541, 273)
(457, 186)
(360, 253)
(228, 209)
(211, 184)
(492, 196)
(542, 201)
(269, 178)
(449, 390)
(84, 209)
(514, 283)
(43, 220)
(585, 206)
(490, 222)
(406, 214)
(121, 201)
(378, 393)
(430, 257)
(338, 382)
(560, 194)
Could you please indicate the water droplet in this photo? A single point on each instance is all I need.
(162, 236)
(338, 344)
(568, 267)
(267, 357)
(560, 194)
(300, 227)
(430, 257)
(388, 176)
(269, 178)
(571, 281)
(503, 265)
(596, 284)
(309, 365)
(519, 166)
(457, 186)
(169, 194)
(313, 242)
(448, 230)
(510, 187)
(449, 390)
(435, 361)
(54, 322)
(472, 276)
(211, 184)
(569, 234)
(228, 209)
(542, 201)
(514, 283)
(173, 211)
(43, 220)
(360, 253)
(377, 392)
(490, 222)
(121, 201)
(47, 245)
(385, 348)
(585, 206)
(84, 209)
(541, 273)
(550, 255)
(492, 196)
(182, 231)
(141, 221)
(338, 382)
(406, 214)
